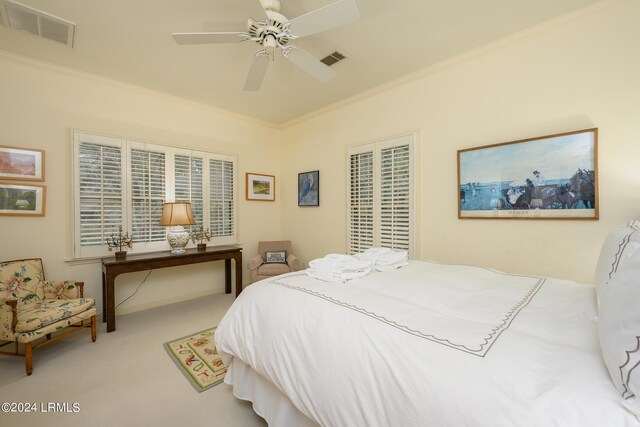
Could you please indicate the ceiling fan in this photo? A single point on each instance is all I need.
(274, 31)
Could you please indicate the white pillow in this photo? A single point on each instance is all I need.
(618, 288)
(612, 250)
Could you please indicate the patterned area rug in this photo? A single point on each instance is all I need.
(197, 358)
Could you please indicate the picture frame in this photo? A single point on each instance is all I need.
(21, 164)
(22, 199)
(309, 189)
(260, 187)
(547, 177)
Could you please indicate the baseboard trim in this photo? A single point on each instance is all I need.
(165, 301)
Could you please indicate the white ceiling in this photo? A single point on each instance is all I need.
(130, 40)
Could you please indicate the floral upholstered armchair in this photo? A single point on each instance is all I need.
(33, 308)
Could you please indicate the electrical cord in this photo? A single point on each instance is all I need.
(130, 296)
(136, 291)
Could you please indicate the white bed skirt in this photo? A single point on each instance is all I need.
(268, 401)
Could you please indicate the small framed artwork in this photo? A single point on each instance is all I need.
(260, 187)
(22, 200)
(309, 188)
(548, 177)
(21, 164)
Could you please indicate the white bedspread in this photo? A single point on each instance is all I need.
(428, 344)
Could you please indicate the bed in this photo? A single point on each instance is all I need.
(427, 344)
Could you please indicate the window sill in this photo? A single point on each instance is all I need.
(98, 259)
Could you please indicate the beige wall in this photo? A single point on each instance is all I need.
(579, 73)
(39, 105)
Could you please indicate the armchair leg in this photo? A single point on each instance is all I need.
(28, 357)
(93, 328)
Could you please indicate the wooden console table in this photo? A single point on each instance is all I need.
(111, 268)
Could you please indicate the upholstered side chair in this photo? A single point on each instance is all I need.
(32, 308)
(260, 266)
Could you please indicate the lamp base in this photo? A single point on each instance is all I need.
(178, 238)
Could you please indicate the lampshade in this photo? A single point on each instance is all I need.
(176, 213)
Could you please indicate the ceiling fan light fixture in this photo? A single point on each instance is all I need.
(269, 41)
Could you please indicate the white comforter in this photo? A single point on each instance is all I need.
(428, 344)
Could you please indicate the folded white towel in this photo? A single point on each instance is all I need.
(338, 268)
(384, 258)
(390, 266)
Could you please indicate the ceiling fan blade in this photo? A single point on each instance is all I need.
(310, 64)
(257, 71)
(209, 38)
(256, 10)
(331, 16)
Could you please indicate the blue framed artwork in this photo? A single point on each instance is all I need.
(309, 188)
(548, 177)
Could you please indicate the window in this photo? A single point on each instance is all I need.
(121, 182)
(380, 195)
(190, 184)
(147, 194)
(221, 198)
(99, 190)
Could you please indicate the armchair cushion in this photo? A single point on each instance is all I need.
(22, 280)
(273, 269)
(24, 337)
(50, 311)
(57, 289)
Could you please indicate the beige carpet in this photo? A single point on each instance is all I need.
(122, 379)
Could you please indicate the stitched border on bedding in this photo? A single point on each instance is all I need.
(483, 349)
(626, 393)
(618, 256)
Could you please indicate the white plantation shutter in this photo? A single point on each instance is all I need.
(147, 194)
(395, 207)
(189, 184)
(121, 182)
(360, 203)
(380, 196)
(221, 199)
(100, 192)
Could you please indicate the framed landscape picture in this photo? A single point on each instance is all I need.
(261, 187)
(548, 177)
(309, 188)
(22, 200)
(21, 164)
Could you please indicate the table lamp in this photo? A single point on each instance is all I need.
(174, 216)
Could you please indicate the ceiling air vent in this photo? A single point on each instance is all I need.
(332, 58)
(21, 17)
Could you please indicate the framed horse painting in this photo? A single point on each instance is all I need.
(548, 177)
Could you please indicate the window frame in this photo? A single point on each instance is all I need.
(79, 252)
(376, 148)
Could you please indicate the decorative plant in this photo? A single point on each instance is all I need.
(200, 235)
(119, 241)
